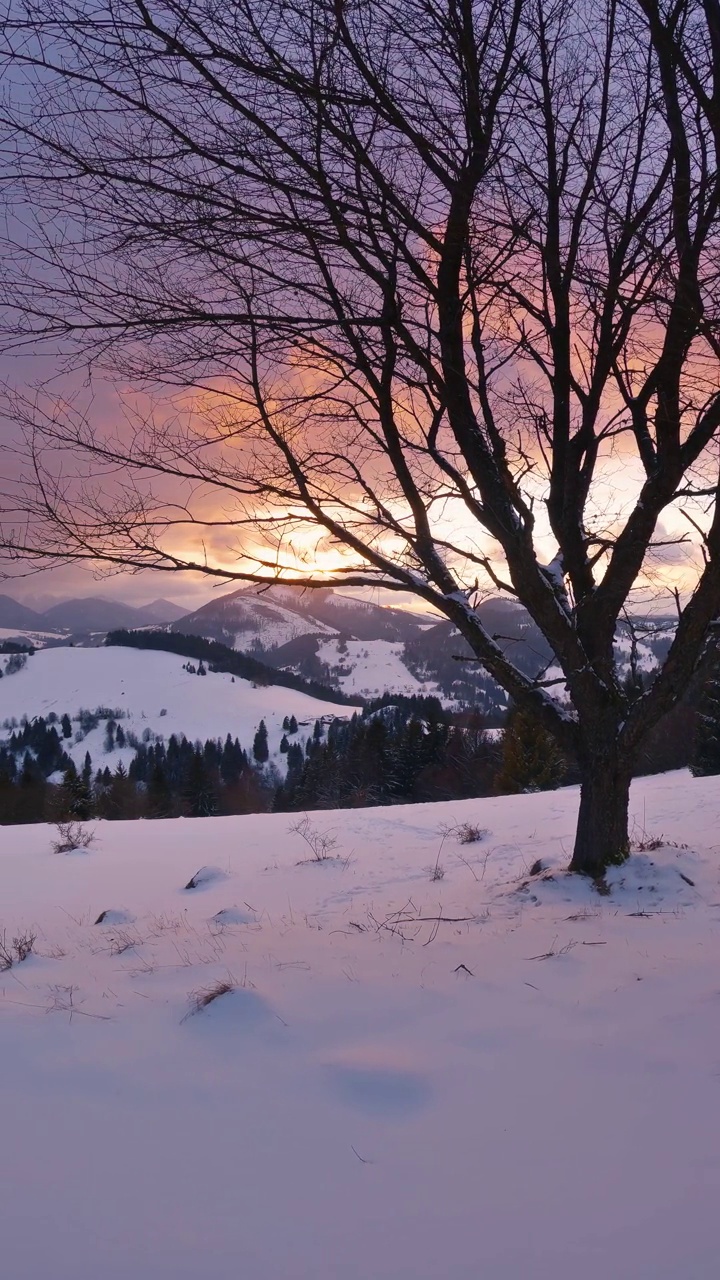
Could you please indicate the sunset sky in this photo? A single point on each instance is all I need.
(507, 319)
(671, 567)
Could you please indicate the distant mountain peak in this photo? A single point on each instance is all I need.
(15, 614)
(93, 613)
(162, 611)
(274, 616)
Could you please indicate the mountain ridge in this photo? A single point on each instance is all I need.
(86, 614)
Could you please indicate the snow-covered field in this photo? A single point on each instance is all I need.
(154, 692)
(485, 1075)
(31, 637)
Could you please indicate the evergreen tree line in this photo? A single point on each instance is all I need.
(177, 779)
(398, 751)
(397, 755)
(24, 790)
(388, 755)
(690, 734)
(706, 753)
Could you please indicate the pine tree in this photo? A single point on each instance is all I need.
(159, 799)
(295, 762)
(140, 764)
(260, 744)
(49, 751)
(32, 791)
(233, 761)
(284, 745)
(66, 726)
(531, 758)
(8, 797)
(293, 725)
(76, 801)
(199, 790)
(120, 800)
(706, 748)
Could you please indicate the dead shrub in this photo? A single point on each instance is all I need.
(469, 833)
(322, 844)
(463, 832)
(642, 842)
(16, 951)
(72, 835)
(23, 946)
(648, 844)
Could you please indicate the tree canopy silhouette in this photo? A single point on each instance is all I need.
(442, 277)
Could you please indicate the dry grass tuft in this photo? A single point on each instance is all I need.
(205, 996)
(121, 942)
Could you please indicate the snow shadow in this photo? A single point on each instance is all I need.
(382, 1091)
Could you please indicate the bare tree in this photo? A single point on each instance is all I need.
(442, 278)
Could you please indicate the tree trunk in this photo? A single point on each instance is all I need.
(601, 838)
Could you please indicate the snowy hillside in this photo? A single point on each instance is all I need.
(243, 619)
(353, 645)
(370, 668)
(353, 1069)
(152, 691)
(274, 615)
(363, 648)
(35, 639)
